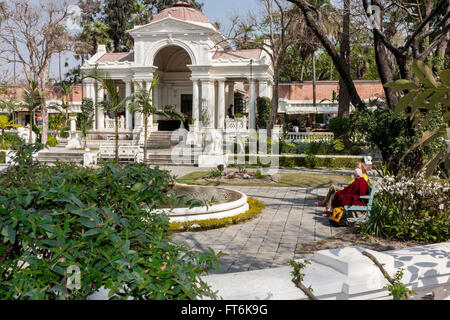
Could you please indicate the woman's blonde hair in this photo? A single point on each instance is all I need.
(363, 167)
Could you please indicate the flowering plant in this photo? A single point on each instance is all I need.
(416, 196)
(411, 209)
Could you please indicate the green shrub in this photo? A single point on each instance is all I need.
(311, 161)
(264, 108)
(317, 148)
(214, 174)
(411, 209)
(101, 221)
(52, 141)
(355, 150)
(259, 175)
(2, 157)
(341, 127)
(64, 133)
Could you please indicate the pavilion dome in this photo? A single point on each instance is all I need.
(182, 11)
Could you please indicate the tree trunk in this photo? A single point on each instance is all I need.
(385, 72)
(313, 24)
(117, 136)
(44, 111)
(275, 97)
(314, 79)
(302, 72)
(344, 96)
(145, 138)
(30, 138)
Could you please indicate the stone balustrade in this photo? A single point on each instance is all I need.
(307, 137)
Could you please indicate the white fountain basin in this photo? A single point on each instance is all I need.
(231, 203)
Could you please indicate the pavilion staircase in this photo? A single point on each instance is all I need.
(160, 140)
(63, 155)
(161, 145)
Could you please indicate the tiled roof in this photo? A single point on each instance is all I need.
(238, 54)
(182, 11)
(117, 57)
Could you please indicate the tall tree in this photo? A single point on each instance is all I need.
(274, 32)
(314, 20)
(344, 95)
(30, 35)
(117, 14)
(107, 22)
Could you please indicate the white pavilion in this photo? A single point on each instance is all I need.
(198, 73)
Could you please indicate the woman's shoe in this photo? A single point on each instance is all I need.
(326, 213)
(319, 204)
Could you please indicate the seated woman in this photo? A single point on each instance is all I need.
(350, 196)
(333, 189)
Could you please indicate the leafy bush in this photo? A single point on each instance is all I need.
(381, 129)
(264, 107)
(2, 157)
(342, 129)
(214, 174)
(64, 132)
(9, 141)
(318, 148)
(311, 161)
(101, 221)
(411, 209)
(259, 175)
(355, 150)
(52, 141)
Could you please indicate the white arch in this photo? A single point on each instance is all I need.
(158, 46)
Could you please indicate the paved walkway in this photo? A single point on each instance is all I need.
(269, 240)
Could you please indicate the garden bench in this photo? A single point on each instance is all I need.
(367, 208)
(129, 152)
(125, 152)
(107, 152)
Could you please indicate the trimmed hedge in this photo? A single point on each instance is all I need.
(308, 162)
(97, 220)
(256, 207)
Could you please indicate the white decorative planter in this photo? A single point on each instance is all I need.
(342, 274)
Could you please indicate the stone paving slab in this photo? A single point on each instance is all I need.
(270, 240)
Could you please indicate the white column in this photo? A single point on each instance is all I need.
(165, 97)
(208, 98)
(148, 86)
(128, 114)
(90, 94)
(221, 105)
(156, 96)
(263, 88)
(100, 110)
(230, 95)
(137, 115)
(252, 105)
(196, 104)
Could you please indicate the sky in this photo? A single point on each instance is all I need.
(221, 10)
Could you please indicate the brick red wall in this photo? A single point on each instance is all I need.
(324, 90)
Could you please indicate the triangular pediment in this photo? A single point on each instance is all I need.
(172, 25)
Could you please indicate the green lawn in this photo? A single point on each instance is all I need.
(301, 180)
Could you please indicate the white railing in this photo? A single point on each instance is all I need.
(236, 125)
(307, 137)
(111, 123)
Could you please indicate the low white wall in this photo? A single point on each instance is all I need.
(342, 274)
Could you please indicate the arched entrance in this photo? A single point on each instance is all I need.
(174, 75)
